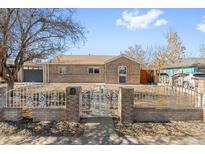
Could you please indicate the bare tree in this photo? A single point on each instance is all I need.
(202, 50)
(141, 55)
(28, 34)
(159, 58)
(174, 49)
(172, 53)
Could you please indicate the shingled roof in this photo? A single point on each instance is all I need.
(82, 59)
(188, 62)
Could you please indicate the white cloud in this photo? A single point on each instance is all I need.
(201, 26)
(160, 22)
(134, 20)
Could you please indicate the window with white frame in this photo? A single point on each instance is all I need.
(93, 70)
(122, 74)
(61, 70)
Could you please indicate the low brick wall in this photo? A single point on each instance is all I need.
(49, 114)
(11, 114)
(163, 115)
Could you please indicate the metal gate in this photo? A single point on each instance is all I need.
(99, 101)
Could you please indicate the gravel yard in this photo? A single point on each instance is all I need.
(172, 129)
(44, 128)
(26, 132)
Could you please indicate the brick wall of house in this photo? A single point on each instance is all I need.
(133, 71)
(76, 74)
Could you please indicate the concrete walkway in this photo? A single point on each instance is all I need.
(100, 130)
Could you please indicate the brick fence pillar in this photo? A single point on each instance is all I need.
(126, 105)
(72, 103)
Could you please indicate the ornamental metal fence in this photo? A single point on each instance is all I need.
(99, 101)
(36, 96)
(168, 96)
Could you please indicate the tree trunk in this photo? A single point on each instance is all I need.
(10, 85)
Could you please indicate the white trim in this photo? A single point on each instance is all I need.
(48, 71)
(122, 55)
(93, 70)
(87, 63)
(19, 75)
(33, 64)
(33, 67)
(63, 70)
(122, 74)
(43, 74)
(45, 77)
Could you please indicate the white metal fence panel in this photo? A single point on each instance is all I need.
(168, 96)
(35, 97)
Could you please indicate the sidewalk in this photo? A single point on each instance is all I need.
(101, 131)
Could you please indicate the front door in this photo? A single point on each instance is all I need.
(122, 74)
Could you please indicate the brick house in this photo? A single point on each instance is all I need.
(83, 69)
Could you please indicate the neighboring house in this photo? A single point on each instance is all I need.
(83, 69)
(188, 65)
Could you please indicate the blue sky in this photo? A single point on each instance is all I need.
(111, 31)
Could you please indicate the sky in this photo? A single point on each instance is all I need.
(110, 31)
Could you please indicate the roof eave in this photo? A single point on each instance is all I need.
(122, 55)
